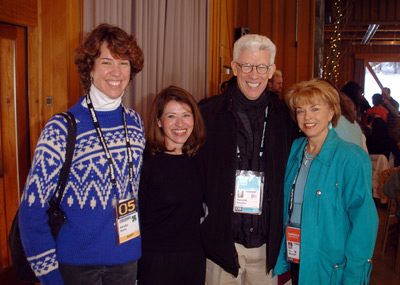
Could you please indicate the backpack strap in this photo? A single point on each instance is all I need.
(71, 139)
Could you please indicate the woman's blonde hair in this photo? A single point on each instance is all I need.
(310, 92)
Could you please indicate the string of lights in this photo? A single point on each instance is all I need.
(331, 66)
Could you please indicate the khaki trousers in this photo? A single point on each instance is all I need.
(252, 269)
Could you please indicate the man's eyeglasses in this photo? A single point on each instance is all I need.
(247, 67)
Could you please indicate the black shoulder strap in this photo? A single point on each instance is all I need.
(62, 181)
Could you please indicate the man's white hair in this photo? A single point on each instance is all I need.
(254, 42)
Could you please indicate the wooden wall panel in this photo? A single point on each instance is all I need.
(53, 74)
(74, 28)
(305, 41)
(375, 11)
(241, 14)
(54, 55)
(19, 12)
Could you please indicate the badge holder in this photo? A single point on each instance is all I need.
(249, 187)
(293, 244)
(127, 221)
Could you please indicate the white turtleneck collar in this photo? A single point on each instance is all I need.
(101, 102)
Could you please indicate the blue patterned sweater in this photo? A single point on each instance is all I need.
(88, 236)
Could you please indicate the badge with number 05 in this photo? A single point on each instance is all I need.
(127, 221)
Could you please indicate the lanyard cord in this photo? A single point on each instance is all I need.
(261, 152)
(291, 201)
(263, 134)
(105, 147)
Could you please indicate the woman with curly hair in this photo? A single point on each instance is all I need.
(95, 245)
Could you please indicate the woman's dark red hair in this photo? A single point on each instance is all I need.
(120, 44)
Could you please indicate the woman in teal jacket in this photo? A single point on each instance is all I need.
(328, 196)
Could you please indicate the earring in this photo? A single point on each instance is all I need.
(330, 126)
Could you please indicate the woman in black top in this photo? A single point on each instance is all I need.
(171, 193)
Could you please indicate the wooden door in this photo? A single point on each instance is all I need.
(14, 139)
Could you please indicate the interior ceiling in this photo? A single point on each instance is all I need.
(358, 16)
(384, 35)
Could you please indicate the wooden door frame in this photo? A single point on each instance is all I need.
(10, 197)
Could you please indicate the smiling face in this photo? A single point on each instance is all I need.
(313, 120)
(110, 75)
(276, 84)
(177, 124)
(253, 84)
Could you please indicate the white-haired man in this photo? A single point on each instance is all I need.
(249, 136)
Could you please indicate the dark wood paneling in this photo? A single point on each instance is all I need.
(19, 12)
(373, 11)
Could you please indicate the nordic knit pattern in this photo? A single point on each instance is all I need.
(88, 235)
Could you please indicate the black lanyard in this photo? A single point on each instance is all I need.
(261, 152)
(291, 201)
(104, 145)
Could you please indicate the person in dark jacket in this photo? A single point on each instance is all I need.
(393, 116)
(380, 142)
(249, 134)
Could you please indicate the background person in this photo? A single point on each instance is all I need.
(86, 251)
(356, 94)
(171, 193)
(391, 188)
(393, 116)
(275, 84)
(348, 128)
(378, 109)
(328, 195)
(379, 142)
(241, 247)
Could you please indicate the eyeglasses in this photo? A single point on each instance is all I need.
(247, 67)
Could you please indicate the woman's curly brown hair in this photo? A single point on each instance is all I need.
(120, 44)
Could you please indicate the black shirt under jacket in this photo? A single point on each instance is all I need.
(250, 230)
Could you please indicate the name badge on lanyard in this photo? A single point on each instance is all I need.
(127, 221)
(248, 192)
(293, 244)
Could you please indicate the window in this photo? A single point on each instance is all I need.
(388, 73)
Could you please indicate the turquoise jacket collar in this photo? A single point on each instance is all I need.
(328, 149)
